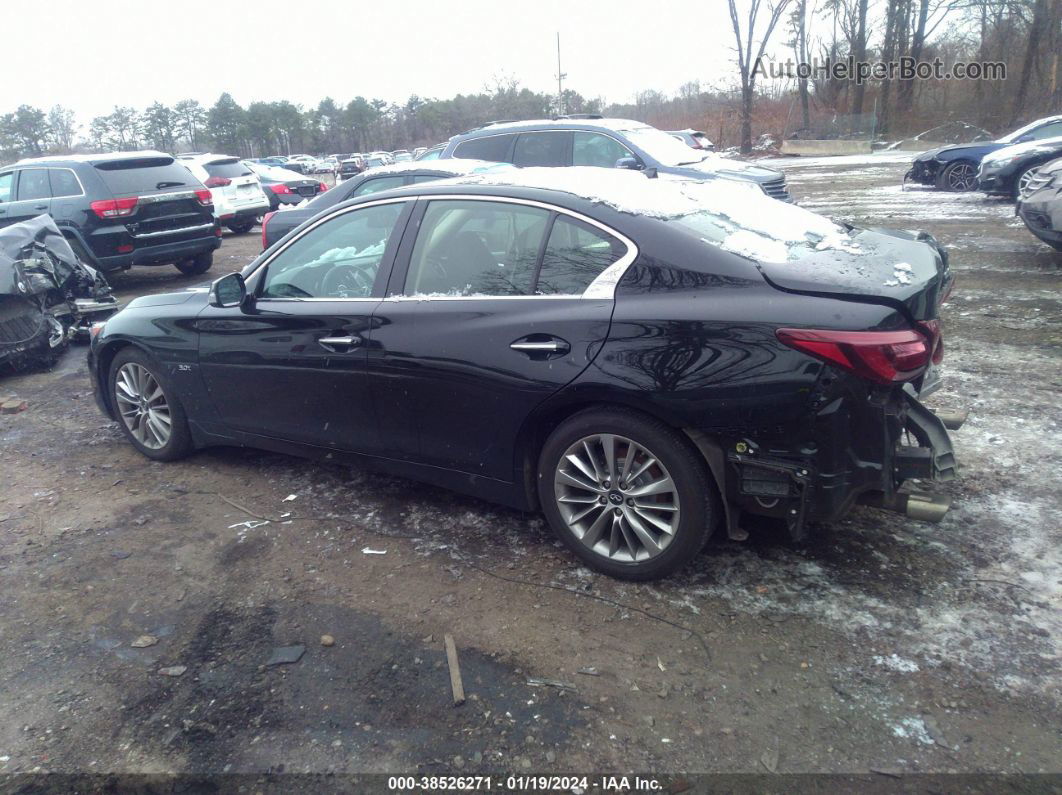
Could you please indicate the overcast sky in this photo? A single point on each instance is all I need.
(92, 56)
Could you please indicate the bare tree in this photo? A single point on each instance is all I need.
(747, 64)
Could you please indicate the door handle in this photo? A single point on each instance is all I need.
(538, 347)
(41, 207)
(329, 342)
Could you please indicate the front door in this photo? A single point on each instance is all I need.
(291, 364)
(490, 311)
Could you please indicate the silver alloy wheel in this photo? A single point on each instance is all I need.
(617, 498)
(1023, 182)
(962, 177)
(143, 406)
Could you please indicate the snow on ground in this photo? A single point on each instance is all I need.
(868, 159)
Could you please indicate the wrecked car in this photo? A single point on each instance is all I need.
(1040, 205)
(954, 168)
(47, 295)
(642, 360)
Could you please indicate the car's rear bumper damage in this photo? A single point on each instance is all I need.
(883, 453)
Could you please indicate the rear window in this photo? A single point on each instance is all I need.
(493, 147)
(126, 177)
(227, 169)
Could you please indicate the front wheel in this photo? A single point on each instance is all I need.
(628, 494)
(151, 417)
(958, 176)
(196, 265)
(1021, 182)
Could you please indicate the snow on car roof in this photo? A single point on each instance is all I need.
(455, 166)
(753, 224)
(101, 157)
(611, 124)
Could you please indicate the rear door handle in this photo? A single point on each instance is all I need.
(338, 342)
(41, 207)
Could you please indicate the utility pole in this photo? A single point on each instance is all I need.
(560, 80)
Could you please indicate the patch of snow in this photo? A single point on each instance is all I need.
(895, 662)
(912, 729)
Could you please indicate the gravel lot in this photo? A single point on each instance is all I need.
(884, 645)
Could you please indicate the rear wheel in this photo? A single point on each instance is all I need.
(150, 415)
(241, 227)
(629, 495)
(196, 265)
(958, 176)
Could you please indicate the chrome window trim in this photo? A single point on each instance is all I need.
(154, 198)
(552, 130)
(604, 286)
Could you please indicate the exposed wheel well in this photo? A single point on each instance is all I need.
(106, 356)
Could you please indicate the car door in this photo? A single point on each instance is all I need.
(33, 195)
(291, 364)
(480, 326)
(550, 148)
(7, 196)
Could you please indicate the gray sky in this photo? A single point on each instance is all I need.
(92, 56)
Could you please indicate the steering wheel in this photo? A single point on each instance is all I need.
(346, 281)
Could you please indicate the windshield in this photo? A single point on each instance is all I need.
(1014, 136)
(664, 148)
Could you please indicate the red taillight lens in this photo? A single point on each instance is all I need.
(936, 339)
(322, 187)
(280, 188)
(115, 208)
(217, 182)
(265, 220)
(885, 357)
(204, 197)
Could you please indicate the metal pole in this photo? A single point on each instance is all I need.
(560, 80)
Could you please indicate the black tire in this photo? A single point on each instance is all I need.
(698, 499)
(196, 265)
(958, 176)
(242, 227)
(180, 441)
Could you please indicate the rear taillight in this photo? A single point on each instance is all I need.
(217, 182)
(280, 188)
(322, 187)
(936, 339)
(265, 220)
(115, 208)
(885, 357)
(204, 197)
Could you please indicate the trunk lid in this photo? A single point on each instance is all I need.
(165, 192)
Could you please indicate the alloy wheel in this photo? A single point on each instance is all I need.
(962, 177)
(617, 498)
(143, 406)
(1023, 182)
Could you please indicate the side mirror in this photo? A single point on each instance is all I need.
(228, 291)
(629, 162)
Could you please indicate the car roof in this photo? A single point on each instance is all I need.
(452, 167)
(101, 157)
(208, 159)
(615, 125)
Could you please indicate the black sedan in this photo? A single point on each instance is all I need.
(643, 360)
(1040, 206)
(282, 186)
(276, 225)
(1008, 171)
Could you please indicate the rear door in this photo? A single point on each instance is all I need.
(544, 148)
(33, 195)
(494, 305)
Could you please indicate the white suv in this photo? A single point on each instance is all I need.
(235, 189)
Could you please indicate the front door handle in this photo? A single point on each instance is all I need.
(338, 342)
(41, 207)
(538, 347)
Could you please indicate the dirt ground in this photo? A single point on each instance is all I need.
(884, 645)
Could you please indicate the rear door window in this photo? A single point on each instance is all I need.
(131, 176)
(33, 184)
(7, 184)
(377, 185)
(576, 254)
(543, 149)
(595, 149)
(64, 182)
(495, 148)
(228, 170)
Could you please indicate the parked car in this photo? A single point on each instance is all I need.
(276, 225)
(350, 168)
(376, 159)
(695, 139)
(235, 189)
(117, 210)
(47, 295)
(954, 168)
(433, 153)
(608, 143)
(418, 151)
(276, 160)
(642, 359)
(304, 164)
(402, 156)
(1040, 206)
(1008, 171)
(284, 187)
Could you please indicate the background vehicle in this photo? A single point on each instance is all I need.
(1008, 171)
(117, 210)
(695, 139)
(234, 187)
(350, 167)
(282, 186)
(402, 156)
(375, 160)
(276, 225)
(432, 153)
(607, 143)
(954, 168)
(647, 373)
(1040, 206)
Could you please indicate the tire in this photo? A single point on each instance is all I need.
(959, 176)
(241, 228)
(133, 375)
(196, 265)
(619, 525)
(1021, 178)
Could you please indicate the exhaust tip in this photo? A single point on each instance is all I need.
(927, 507)
(952, 420)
